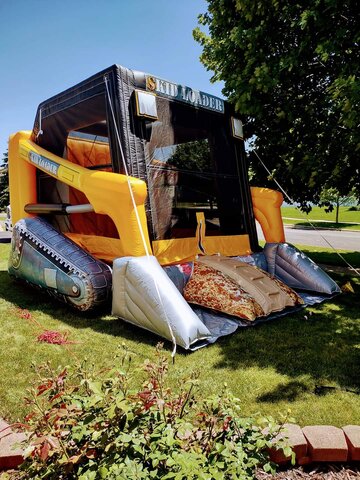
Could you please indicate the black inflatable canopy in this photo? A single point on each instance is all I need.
(187, 153)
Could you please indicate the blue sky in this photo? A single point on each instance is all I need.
(47, 46)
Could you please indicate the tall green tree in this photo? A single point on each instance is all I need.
(4, 182)
(331, 199)
(292, 71)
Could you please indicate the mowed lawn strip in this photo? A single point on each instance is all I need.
(348, 218)
(272, 367)
(329, 256)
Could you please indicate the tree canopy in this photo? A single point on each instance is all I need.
(292, 71)
(193, 156)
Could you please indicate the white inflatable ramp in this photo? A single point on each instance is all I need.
(145, 296)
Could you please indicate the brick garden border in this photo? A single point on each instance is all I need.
(317, 443)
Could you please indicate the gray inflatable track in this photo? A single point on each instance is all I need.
(43, 257)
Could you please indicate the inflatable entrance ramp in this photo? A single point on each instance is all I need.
(133, 190)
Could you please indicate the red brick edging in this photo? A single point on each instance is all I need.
(11, 453)
(320, 443)
(317, 443)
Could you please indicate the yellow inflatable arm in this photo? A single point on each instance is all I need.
(267, 203)
(107, 192)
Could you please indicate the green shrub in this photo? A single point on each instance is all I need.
(89, 425)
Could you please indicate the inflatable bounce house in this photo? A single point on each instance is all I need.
(134, 190)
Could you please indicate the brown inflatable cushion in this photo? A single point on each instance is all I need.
(212, 289)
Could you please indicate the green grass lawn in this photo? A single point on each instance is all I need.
(328, 256)
(271, 367)
(320, 218)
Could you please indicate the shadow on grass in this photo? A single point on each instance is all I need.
(324, 345)
(288, 392)
(24, 296)
(332, 258)
(322, 342)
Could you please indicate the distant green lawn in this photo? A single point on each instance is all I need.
(328, 256)
(318, 216)
(272, 367)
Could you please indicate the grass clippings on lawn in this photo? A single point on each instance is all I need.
(271, 368)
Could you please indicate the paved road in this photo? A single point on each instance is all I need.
(5, 237)
(343, 240)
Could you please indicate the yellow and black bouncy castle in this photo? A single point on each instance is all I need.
(133, 189)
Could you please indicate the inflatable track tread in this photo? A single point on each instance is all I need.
(94, 276)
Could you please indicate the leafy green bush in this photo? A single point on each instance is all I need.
(90, 425)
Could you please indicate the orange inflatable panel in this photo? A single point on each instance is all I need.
(267, 210)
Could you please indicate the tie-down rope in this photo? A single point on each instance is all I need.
(137, 214)
(291, 201)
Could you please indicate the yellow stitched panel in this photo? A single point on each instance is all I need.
(176, 250)
(229, 246)
(104, 248)
(179, 250)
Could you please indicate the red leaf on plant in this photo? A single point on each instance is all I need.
(145, 394)
(91, 453)
(226, 423)
(53, 442)
(75, 458)
(29, 416)
(44, 387)
(44, 451)
(149, 404)
(61, 377)
(58, 395)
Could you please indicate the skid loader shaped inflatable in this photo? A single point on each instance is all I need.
(134, 189)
